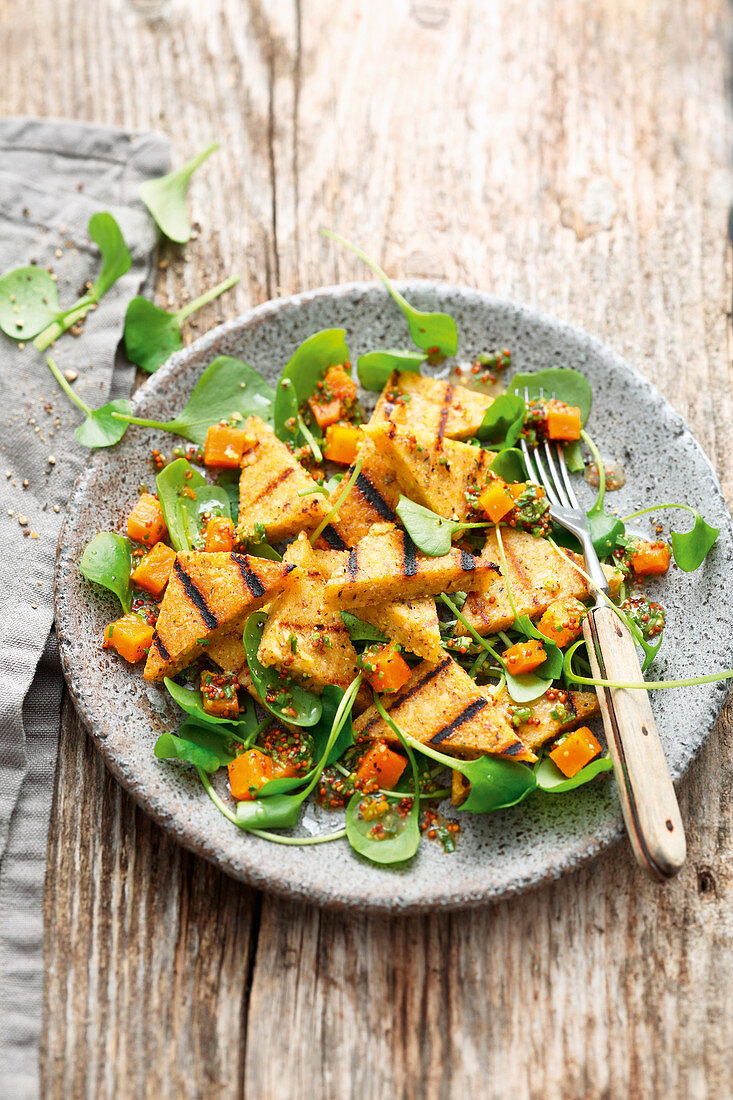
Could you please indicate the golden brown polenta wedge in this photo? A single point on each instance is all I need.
(302, 636)
(411, 623)
(373, 498)
(440, 474)
(440, 705)
(552, 716)
(537, 576)
(205, 593)
(386, 566)
(227, 650)
(441, 409)
(268, 489)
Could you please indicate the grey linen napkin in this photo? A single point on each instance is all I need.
(54, 174)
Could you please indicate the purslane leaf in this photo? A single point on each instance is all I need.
(564, 383)
(374, 368)
(28, 302)
(503, 420)
(165, 197)
(107, 560)
(307, 706)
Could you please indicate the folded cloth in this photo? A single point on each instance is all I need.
(54, 175)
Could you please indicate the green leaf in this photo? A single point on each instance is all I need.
(263, 550)
(101, 428)
(185, 497)
(304, 370)
(552, 781)
(503, 420)
(574, 457)
(29, 302)
(170, 747)
(509, 465)
(564, 383)
(429, 331)
(107, 560)
(221, 740)
(359, 631)
(228, 480)
(605, 531)
(165, 198)
(192, 702)
(331, 700)
(152, 334)
(374, 368)
(116, 259)
(431, 533)
(308, 706)
(692, 547)
(495, 783)
(526, 687)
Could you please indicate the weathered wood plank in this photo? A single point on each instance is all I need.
(577, 160)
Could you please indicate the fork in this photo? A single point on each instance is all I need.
(648, 799)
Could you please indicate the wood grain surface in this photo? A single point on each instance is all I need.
(571, 154)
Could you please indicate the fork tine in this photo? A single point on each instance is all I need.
(547, 481)
(531, 472)
(566, 478)
(556, 481)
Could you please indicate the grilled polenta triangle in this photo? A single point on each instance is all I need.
(386, 566)
(440, 705)
(302, 636)
(373, 499)
(205, 593)
(551, 717)
(537, 576)
(268, 489)
(438, 473)
(412, 623)
(442, 410)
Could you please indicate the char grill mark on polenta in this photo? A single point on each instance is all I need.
(196, 597)
(468, 562)
(409, 556)
(352, 566)
(332, 538)
(445, 410)
(253, 582)
(460, 720)
(374, 498)
(272, 485)
(159, 645)
(421, 683)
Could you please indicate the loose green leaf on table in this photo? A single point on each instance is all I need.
(165, 197)
(564, 383)
(152, 334)
(503, 420)
(552, 781)
(102, 428)
(307, 706)
(28, 302)
(374, 368)
(431, 533)
(302, 373)
(433, 332)
(185, 497)
(107, 560)
(227, 388)
(359, 631)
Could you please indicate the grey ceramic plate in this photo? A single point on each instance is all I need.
(497, 855)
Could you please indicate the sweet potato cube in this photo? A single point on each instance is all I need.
(384, 667)
(248, 773)
(649, 559)
(131, 636)
(269, 488)
(219, 535)
(575, 751)
(563, 421)
(443, 410)
(496, 500)
(524, 656)
(342, 443)
(440, 705)
(562, 623)
(154, 570)
(224, 446)
(145, 522)
(380, 767)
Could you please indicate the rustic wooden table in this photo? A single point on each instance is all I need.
(573, 155)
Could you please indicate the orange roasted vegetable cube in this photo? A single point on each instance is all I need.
(225, 446)
(342, 442)
(380, 767)
(154, 570)
(496, 500)
(341, 384)
(524, 656)
(145, 522)
(131, 636)
(219, 694)
(219, 536)
(649, 559)
(562, 623)
(563, 421)
(334, 395)
(384, 667)
(248, 773)
(574, 751)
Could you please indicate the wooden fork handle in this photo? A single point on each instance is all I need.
(648, 799)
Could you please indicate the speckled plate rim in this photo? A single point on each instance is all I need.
(571, 857)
